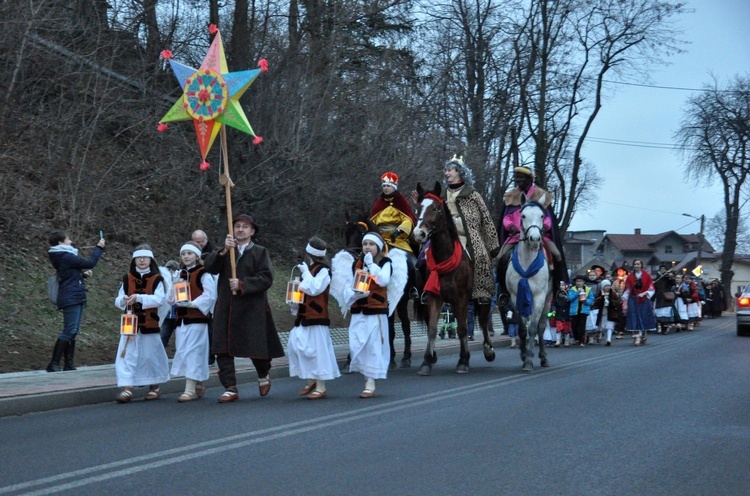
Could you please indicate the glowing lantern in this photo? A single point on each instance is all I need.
(293, 293)
(361, 281)
(181, 291)
(128, 324)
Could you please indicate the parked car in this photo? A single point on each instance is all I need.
(743, 312)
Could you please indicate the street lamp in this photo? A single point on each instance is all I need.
(702, 218)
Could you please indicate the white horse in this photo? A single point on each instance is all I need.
(529, 283)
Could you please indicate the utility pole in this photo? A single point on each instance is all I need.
(702, 218)
(700, 241)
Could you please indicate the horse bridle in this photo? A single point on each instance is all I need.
(525, 236)
(439, 212)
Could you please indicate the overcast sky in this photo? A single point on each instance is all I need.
(644, 186)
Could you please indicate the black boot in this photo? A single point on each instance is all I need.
(68, 355)
(502, 268)
(57, 352)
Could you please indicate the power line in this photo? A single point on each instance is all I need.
(656, 86)
(638, 144)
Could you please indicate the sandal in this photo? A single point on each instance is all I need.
(307, 389)
(124, 396)
(153, 393)
(200, 389)
(185, 397)
(229, 396)
(367, 393)
(264, 385)
(317, 395)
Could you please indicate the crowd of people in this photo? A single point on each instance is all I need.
(601, 305)
(222, 311)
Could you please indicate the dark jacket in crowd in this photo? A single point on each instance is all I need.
(70, 268)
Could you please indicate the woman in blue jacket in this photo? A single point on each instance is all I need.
(71, 295)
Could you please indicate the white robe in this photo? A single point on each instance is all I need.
(145, 362)
(191, 340)
(310, 349)
(368, 334)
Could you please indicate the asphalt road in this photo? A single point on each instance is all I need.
(668, 418)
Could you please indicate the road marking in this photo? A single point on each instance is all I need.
(173, 456)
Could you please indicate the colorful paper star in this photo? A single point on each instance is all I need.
(211, 97)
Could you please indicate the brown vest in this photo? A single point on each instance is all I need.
(148, 319)
(314, 309)
(377, 301)
(192, 315)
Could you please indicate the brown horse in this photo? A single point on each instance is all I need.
(451, 278)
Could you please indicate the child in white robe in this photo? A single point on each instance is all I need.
(141, 359)
(310, 349)
(191, 316)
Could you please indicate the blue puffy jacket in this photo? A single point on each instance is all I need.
(70, 269)
(586, 306)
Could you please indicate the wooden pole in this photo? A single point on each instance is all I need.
(227, 182)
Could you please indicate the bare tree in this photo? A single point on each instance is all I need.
(715, 136)
(472, 96)
(565, 48)
(716, 229)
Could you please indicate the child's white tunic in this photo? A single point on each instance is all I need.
(310, 349)
(145, 361)
(191, 340)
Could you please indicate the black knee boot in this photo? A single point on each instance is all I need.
(68, 355)
(503, 297)
(57, 352)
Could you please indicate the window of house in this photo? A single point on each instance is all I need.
(667, 248)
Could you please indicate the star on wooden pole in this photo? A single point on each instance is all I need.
(211, 96)
(210, 99)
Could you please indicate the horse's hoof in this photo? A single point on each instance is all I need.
(392, 365)
(462, 368)
(405, 363)
(545, 363)
(345, 369)
(424, 370)
(528, 366)
(489, 353)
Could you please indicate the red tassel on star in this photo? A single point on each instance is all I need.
(212, 28)
(166, 54)
(257, 140)
(162, 127)
(263, 64)
(205, 165)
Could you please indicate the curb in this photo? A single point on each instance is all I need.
(29, 402)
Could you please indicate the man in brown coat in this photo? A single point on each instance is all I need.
(243, 324)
